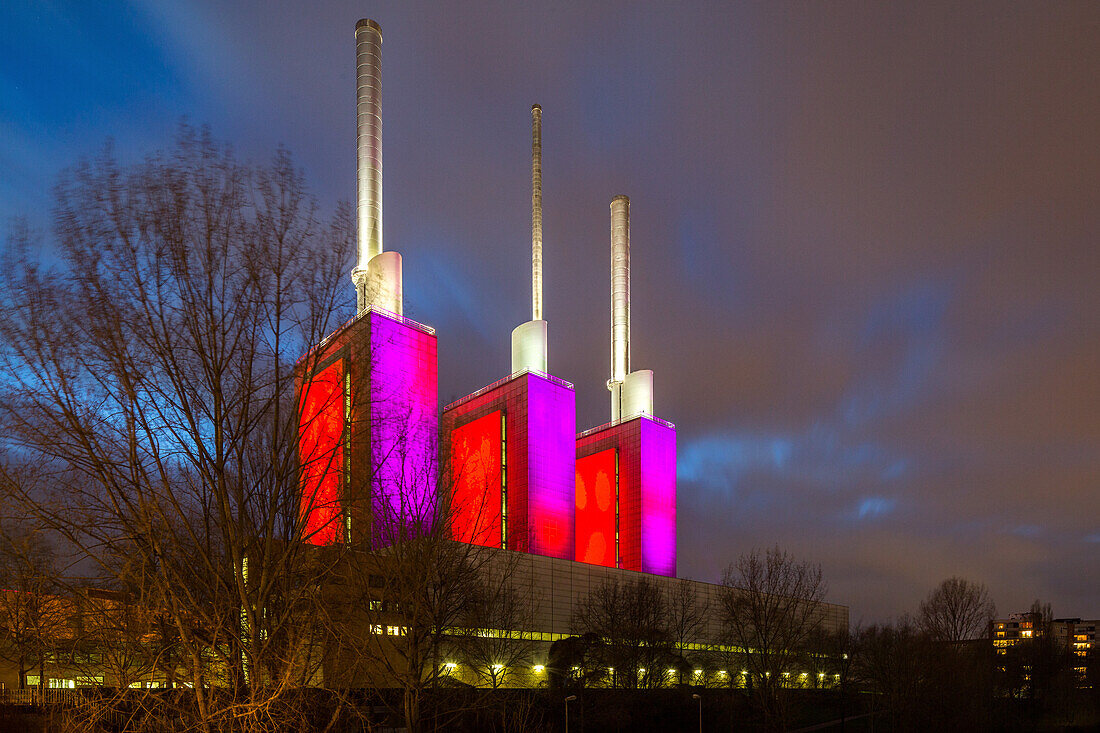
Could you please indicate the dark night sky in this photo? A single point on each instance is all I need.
(865, 237)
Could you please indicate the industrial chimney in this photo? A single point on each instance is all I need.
(529, 340)
(377, 274)
(631, 392)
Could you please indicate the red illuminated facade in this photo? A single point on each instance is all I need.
(321, 452)
(537, 492)
(597, 508)
(477, 468)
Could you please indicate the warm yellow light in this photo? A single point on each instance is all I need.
(722, 671)
(498, 667)
(698, 671)
(539, 668)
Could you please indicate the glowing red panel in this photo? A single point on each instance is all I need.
(476, 499)
(320, 450)
(596, 508)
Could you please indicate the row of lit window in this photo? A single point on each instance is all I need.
(540, 668)
(549, 636)
(380, 629)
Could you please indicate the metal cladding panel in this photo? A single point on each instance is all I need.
(475, 502)
(539, 420)
(321, 454)
(404, 422)
(551, 493)
(658, 495)
(647, 491)
(596, 495)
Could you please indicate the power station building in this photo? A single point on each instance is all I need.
(516, 474)
(505, 464)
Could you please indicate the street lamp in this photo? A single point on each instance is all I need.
(571, 697)
(699, 697)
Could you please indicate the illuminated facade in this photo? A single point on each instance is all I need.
(629, 466)
(369, 423)
(367, 437)
(520, 496)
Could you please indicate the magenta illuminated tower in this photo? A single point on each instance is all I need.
(368, 393)
(626, 469)
(510, 445)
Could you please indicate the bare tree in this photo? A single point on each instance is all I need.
(891, 662)
(630, 621)
(957, 610)
(771, 607)
(688, 615)
(149, 369)
(33, 613)
(494, 640)
(393, 611)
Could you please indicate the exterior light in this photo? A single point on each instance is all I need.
(698, 671)
(722, 671)
(641, 670)
(539, 668)
(497, 667)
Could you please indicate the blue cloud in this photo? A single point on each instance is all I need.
(912, 325)
(874, 507)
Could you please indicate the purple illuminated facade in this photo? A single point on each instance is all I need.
(538, 456)
(390, 396)
(644, 490)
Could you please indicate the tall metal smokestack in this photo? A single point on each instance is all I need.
(631, 392)
(529, 340)
(377, 283)
(620, 288)
(368, 108)
(620, 301)
(536, 213)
